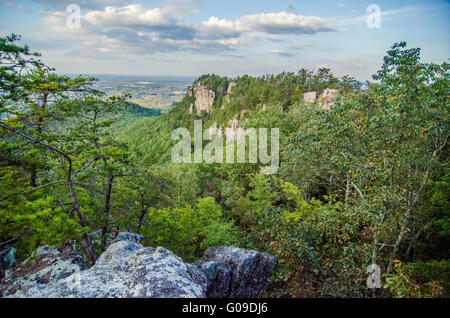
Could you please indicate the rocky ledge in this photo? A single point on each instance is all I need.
(127, 269)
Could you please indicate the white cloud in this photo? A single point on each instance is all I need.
(284, 23)
(270, 23)
(131, 15)
(220, 27)
(300, 45)
(138, 29)
(85, 4)
(281, 53)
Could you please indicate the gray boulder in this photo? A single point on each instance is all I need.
(46, 264)
(7, 260)
(127, 236)
(114, 237)
(233, 272)
(127, 270)
(214, 278)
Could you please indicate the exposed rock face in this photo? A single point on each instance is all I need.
(45, 265)
(230, 87)
(127, 269)
(328, 96)
(204, 98)
(213, 277)
(127, 236)
(7, 260)
(309, 97)
(228, 92)
(233, 272)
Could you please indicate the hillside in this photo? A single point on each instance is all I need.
(361, 185)
(223, 102)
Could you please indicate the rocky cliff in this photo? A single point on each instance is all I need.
(204, 98)
(326, 99)
(7, 260)
(127, 269)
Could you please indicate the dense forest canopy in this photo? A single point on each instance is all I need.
(364, 182)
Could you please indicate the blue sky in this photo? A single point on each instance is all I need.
(192, 37)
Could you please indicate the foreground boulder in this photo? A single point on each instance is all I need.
(7, 260)
(127, 269)
(45, 265)
(233, 272)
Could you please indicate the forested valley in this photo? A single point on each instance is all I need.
(364, 181)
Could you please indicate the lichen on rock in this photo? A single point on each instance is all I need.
(7, 260)
(128, 270)
(46, 264)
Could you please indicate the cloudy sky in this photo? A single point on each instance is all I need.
(233, 37)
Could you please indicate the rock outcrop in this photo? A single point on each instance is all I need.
(228, 92)
(7, 260)
(230, 87)
(204, 98)
(309, 97)
(232, 272)
(127, 269)
(45, 265)
(328, 98)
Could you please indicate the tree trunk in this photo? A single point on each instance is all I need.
(40, 128)
(408, 214)
(107, 208)
(76, 206)
(90, 247)
(33, 178)
(143, 212)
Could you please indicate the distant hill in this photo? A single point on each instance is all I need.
(138, 110)
(228, 102)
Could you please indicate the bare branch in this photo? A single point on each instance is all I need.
(90, 163)
(359, 191)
